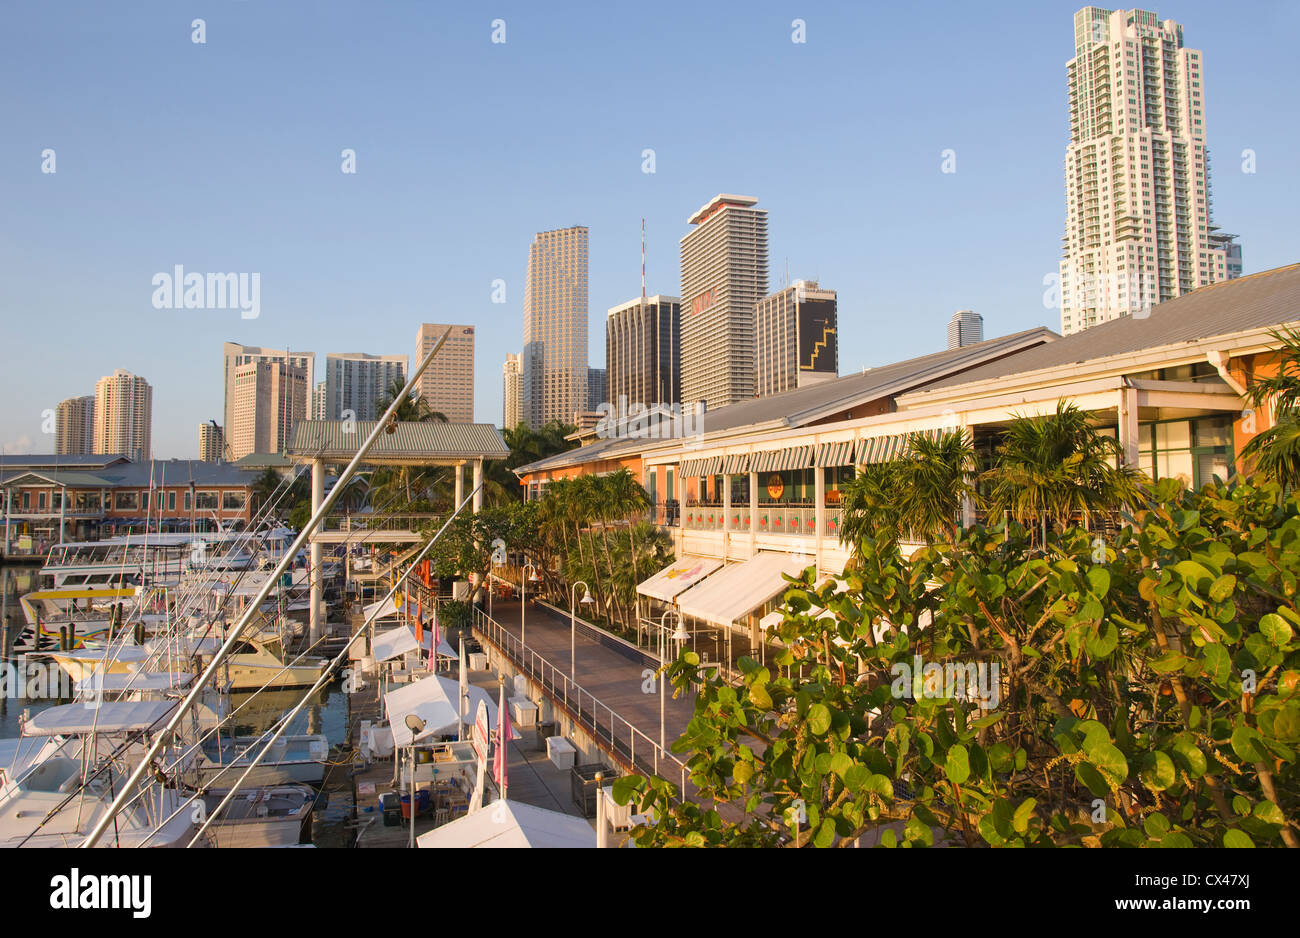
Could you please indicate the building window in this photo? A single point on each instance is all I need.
(207, 501)
(232, 501)
(126, 501)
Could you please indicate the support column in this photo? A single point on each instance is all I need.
(753, 513)
(819, 512)
(478, 483)
(1128, 424)
(316, 612)
(726, 516)
(460, 485)
(968, 503)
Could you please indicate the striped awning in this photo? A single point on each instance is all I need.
(735, 464)
(879, 449)
(835, 454)
(708, 466)
(779, 460)
(884, 448)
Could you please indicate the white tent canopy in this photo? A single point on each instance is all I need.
(384, 609)
(738, 590)
(511, 824)
(433, 700)
(121, 717)
(678, 577)
(400, 640)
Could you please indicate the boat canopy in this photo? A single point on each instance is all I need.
(433, 700)
(400, 640)
(738, 590)
(511, 824)
(77, 719)
(137, 680)
(678, 577)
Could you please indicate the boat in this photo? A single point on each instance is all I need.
(299, 759)
(267, 816)
(260, 662)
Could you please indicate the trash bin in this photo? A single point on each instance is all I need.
(582, 780)
(421, 803)
(544, 731)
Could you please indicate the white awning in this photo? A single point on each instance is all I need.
(433, 700)
(77, 719)
(136, 680)
(387, 608)
(738, 590)
(400, 640)
(511, 824)
(678, 577)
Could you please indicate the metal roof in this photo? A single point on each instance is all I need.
(339, 440)
(177, 472)
(806, 405)
(81, 480)
(51, 461)
(1270, 298)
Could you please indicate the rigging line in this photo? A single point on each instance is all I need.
(286, 719)
(317, 516)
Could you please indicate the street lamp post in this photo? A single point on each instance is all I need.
(573, 625)
(523, 597)
(679, 636)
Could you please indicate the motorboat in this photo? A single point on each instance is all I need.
(266, 816)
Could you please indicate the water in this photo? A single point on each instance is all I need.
(326, 713)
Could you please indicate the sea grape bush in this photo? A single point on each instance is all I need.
(1150, 693)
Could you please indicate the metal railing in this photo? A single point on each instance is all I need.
(611, 731)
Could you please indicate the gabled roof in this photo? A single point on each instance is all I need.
(177, 472)
(79, 480)
(338, 441)
(50, 461)
(1270, 298)
(806, 405)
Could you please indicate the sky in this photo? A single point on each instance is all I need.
(227, 156)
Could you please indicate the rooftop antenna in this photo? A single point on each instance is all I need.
(643, 261)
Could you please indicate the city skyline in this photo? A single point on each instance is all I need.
(851, 211)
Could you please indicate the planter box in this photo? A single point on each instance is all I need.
(560, 751)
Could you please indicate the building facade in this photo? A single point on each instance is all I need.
(236, 355)
(212, 442)
(796, 340)
(318, 406)
(357, 382)
(966, 327)
(1138, 206)
(123, 415)
(597, 387)
(724, 274)
(270, 399)
(512, 392)
(447, 385)
(643, 357)
(555, 326)
(74, 431)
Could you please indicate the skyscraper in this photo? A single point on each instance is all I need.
(513, 375)
(447, 385)
(236, 355)
(555, 326)
(724, 274)
(643, 357)
(270, 398)
(796, 340)
(1138, 206)
(357, 382)
(123, 416)
(212, 442)
(597, 386)
(318, 408)
(74, 430)
(966, 327)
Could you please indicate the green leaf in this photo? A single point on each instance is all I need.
(759, 695)
(1020, 820)
(840, 764)
(1276, 629)
(1238, 839)
(1157, 771)
(1248, 744)
(1191, 756)
(743, 772)
(1222, 588)
(1108, 760)
(957, 765)
(1218, 664)
(1193, 571)
(825, 835)
(1103, 639)
(1099, 581)
(819, 719)
(625, 787)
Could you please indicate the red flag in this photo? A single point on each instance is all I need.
(419, 621)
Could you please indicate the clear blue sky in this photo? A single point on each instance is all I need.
(226, 157)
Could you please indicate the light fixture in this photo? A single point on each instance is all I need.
(534, 578)
(586, 597)
(681, 634)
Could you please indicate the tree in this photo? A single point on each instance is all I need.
(1146, 696)
(1056, 467)
(1275, 452)
(413, 409)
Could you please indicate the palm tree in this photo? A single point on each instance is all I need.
(1056, 467)
(1276, 451)
(413, 409)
